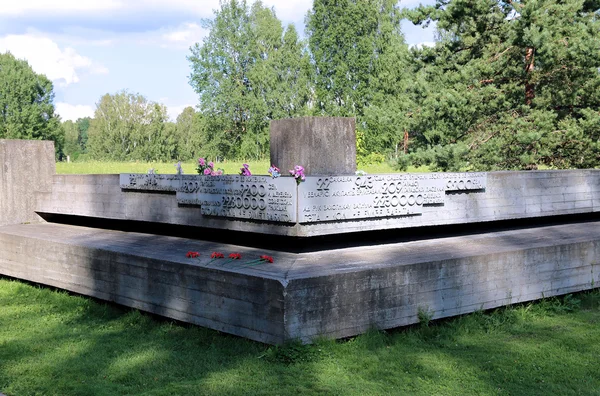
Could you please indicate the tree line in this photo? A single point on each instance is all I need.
(508, 84)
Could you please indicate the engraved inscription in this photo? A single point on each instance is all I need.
(249, 197)
(318, 199)
(358, 197)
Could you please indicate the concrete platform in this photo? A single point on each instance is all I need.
(507, 196)
(333, 293)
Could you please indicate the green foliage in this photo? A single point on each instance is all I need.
(26, 104)
(293, 352)
(55, 343)
(509, 85)
(75, 137)
(247, 71)
(424, 316)
(189, 134)
(360, 63)
(86, 166)
(128, 127)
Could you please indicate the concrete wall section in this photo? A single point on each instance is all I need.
(323, 145)
(26, 169)
(132, 270)
(100, 196)
(350, 303)
(335, 293)
(508, 195)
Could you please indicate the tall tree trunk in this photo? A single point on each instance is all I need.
(529, 64)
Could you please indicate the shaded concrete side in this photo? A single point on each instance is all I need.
(349, 303)
(336, 293)
(26, 170)
(105, 265)
(509, 195)
(100, 196)
(322, 145)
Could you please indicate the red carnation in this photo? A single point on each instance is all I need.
(266, 258)
(192, 254)
(235, 256)
(216, 255)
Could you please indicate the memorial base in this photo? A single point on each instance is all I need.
(333, 293)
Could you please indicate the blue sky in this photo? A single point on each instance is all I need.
(92, 47)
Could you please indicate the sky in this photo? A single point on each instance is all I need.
(92, 47)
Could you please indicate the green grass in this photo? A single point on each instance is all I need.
(230, 167)
(52, 343)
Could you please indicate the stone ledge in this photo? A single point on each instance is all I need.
(334, 293)
(507, 196)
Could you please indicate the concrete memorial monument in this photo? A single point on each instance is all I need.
(317, 291)
(317, 199)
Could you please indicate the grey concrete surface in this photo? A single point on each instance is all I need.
(26, 170)
(322, 145)
(333, 293)
(507, 195)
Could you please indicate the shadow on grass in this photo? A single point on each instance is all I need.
(65, 344)
(55, 343)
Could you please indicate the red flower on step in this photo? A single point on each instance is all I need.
(235, 256)
(192, 254)
(216, 255)
(266, 258)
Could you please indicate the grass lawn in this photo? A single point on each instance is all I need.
(53, 343)
(257, 167)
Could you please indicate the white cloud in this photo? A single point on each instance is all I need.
(46, 57)
(16, 8)
(290, 11)
(201, 8)
(183, 33)
(422, 44)
(182, 36)
(174, 111)
(73, 112)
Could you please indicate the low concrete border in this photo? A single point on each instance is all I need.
(332, 293)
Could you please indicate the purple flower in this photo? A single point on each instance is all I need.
(298, 173)
(274, 171)
(179, 168)
(245, 170)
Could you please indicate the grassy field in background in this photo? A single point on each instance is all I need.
(53, 343)
(257, 167)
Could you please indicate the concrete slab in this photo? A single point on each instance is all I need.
(26, 170)
(334, 292)
(505, 196)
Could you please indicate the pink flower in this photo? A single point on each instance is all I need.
(211, 164)
(245, 170)
(207, 172)
(201, 161)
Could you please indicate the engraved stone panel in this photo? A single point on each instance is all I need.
(464, 181)
(336, 198)
(249, 197)
(145, 182)
(318, 199)
(245, 197)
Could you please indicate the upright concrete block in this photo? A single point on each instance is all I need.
(322, 145)
(26, 169)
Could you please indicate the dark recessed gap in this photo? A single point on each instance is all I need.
(316, 243)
